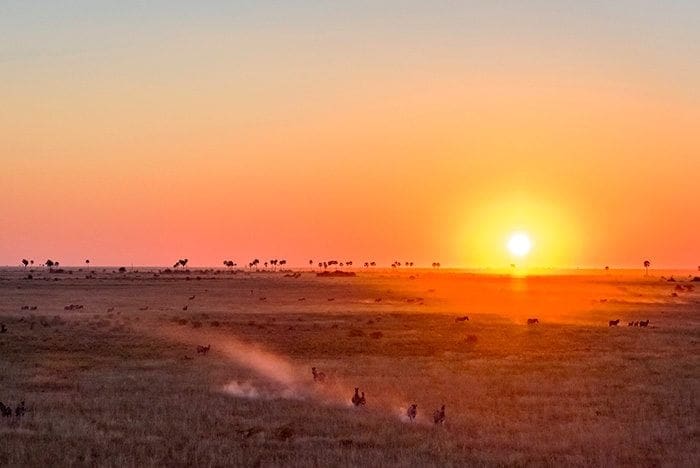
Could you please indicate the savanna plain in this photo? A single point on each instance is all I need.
(213, 368)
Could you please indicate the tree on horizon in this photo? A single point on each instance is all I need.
(647, 264)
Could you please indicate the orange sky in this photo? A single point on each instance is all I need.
(145, 135)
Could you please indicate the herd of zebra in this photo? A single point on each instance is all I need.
(6, 411)
(636, 323)
(359, 399)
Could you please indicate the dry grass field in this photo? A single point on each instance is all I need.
(119, 382)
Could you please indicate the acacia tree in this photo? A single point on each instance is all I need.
(25, 262)
(647, 264)
(49, 263)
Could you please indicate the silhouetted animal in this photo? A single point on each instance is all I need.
(111, 309)
(636, 323)
(184, 308)
(188, 358)
(439, 415)
(613, 323)
(629, 324)
(143, 308)
(301, 299)
(33, 308)
(363, 401)
(3, 328)
(318, 376)
(532, 321)
(412, 411)
(379, 299)
(644, 323)
(5, 411)
(356, 399)
(20, 410)
(192, 297)
(462, 319)
(203, 349)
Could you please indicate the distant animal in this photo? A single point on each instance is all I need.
(188, 358)
(644, 323)
(25, 307)
(636, 323)
(532, 321)
(263, 298)
(439, 415)
(412, 411)
(33, 308)
(143, 308)
(318, 376)
(20, 409)
(3, 328)
(379, 299)
(363, 401)
(613, 323)
(301, 299)
(356, 399)
(5, 411)
(184, 308)
(111, 309)
(462, 319)
(331, 299)
(192, 297)
(203, 349)
(630, 324)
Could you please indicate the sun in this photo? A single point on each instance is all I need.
(519, 244)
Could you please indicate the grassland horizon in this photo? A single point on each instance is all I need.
(113, 370)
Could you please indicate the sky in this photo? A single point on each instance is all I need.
(142, 132)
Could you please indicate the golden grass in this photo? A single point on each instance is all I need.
(114, 388)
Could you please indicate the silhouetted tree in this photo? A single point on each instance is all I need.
(25, 262)
(647, 264)
(49, 263)
(311, 263)
(87, 261)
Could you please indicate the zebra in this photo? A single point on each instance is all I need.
(20, 410)
(439, 415)
(318, 376)
(412, 411)
(356, 399)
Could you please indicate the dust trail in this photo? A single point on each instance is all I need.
(282, 379)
